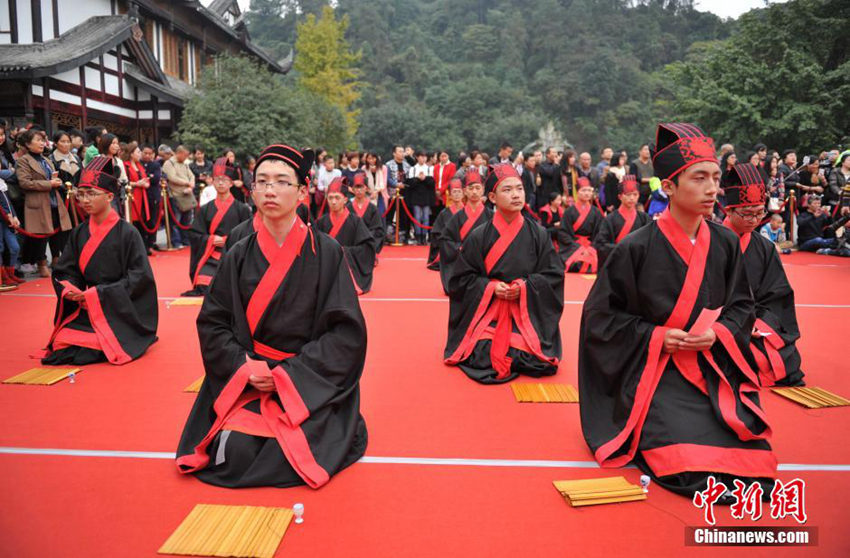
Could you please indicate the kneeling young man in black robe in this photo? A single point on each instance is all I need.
(507, 292)
(211, 227)
(474, 213)
(107, 308)
(663, 377)
(283, 342)
(620, 222)
(350, 231)
(774, 337)
(455, 206)
(578, 227)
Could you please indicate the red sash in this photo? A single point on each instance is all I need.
(472, 216)
(586, 255)
(745, 238)
(280, 259)
(762, 461)
(771, 366)
(210, 250)
(360, 211)
(629, 218)
(97, 233)
(337, 221)
(583, 211)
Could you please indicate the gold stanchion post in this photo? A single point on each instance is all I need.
(128, 202)
(69, 195)
(398, 199)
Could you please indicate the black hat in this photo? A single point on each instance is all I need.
(222, 167)
(301, 161)
(497, 174)
(678, 146)
(746, 187)
(100, 174)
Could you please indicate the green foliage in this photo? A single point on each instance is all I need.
(783, 79)
(242, 105)
(326, 66)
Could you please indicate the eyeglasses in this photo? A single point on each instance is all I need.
(274, 185)
(749, 216)
(88, 194)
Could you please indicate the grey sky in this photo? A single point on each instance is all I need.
(723, 8)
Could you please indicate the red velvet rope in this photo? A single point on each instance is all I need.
(4, 216)
(156, 226)
(173, 220)
(389, 206)
(415, 222)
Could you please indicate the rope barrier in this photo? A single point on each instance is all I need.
(412, 218)
(174, 220)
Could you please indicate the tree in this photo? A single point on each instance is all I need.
(771, 82)
(242, 105)
(326, 64)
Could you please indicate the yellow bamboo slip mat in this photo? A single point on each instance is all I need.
(545, 393)
(238, 531)
(590, 492)
(811, 397)
(44, 376)
(195, 386)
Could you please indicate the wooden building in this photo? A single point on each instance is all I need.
(127, 65)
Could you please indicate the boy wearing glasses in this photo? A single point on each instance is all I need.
(283, 343)
(107, 307)
(212, 226)
(774, 336)
(507, 292)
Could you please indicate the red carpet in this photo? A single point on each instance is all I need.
(414, 407)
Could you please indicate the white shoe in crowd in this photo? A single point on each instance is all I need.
(28, 268)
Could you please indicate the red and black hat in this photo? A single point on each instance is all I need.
(222, 167)
(358, 179)
(678, 146)
(628, 185)
(472, 177)
(498, 174)
(583, 182)
(746, 187)
(337, 184)
(301, 161)
(455, 183)
(100, 175)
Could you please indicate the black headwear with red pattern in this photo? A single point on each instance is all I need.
(678, 146)
(498, 174)
(100, 175)
(628, 185)
(222, 167)
(746, 187)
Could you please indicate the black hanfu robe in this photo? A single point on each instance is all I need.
(575, 238)
(368, 212)
(436, 234)
(214, 218)
(358, 243)
(107, 262)
(290, 312)
(551, 222)
(455, 232)
(774, 339)
(684, 416)
(494, 340)
(614, 228)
